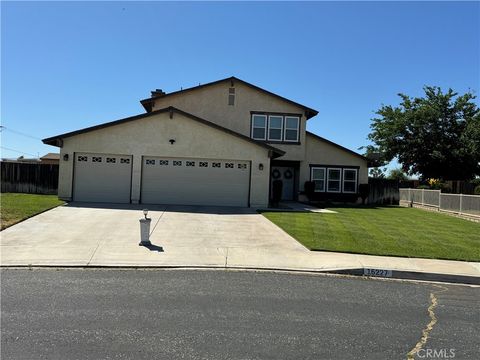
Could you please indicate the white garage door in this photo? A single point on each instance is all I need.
(102, 178)
(186, 181)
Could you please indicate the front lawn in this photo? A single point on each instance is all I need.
(18, 207)
(390, 230)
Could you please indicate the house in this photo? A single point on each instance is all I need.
(50, 158)
(221, 143)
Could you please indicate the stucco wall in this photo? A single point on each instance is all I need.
(150, 136)
(321, 152)
(211, 103)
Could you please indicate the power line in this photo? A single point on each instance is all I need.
(2, 128)
(17, 151)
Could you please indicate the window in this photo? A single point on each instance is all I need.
(242, 166)
(162, 162)
(318, 177)
(216, 165)
(259, 127)
(150, 162)
(177, 163)
(229, 165)
(111, 160)
(349, 180)
(275, 125)
(82, 158)
(333, 180)
(203, 164)
(291, 128)
(96, 159)
(124, 161)
(190, 163)
(231, 96)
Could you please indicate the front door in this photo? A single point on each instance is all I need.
(287, 175)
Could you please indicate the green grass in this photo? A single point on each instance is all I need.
(18, 207)
(391, 230)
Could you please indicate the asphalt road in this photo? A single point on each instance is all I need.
(176, 314)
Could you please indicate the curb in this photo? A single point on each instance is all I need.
(358, 272)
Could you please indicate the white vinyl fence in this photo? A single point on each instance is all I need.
(457, 203)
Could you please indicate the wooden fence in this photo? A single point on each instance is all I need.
(29, 178)
(383, 191)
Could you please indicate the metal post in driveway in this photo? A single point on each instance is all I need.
(145, 230)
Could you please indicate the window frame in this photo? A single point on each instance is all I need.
(281, 127)
(257, 127)
(339, 180)
(285, 128)
(324, 177)
(350, 181)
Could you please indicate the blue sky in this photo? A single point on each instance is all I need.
(65, 65)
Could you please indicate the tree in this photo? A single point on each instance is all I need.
(437, 136)
(397, 174)
(377, 173)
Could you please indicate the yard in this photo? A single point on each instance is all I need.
(388, 230)
(17, 207)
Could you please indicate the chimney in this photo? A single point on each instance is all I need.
(157, 93)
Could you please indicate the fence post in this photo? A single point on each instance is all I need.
(439, 200)
(423, 196)
(409, 195)
(461, 201)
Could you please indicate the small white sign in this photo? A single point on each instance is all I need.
(377, 272)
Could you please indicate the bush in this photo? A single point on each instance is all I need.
(477, 190)
(423, 187)
(309, 189)
(364, 190)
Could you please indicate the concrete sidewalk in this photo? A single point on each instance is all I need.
(96, 236)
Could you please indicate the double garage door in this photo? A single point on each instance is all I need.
(182, 181)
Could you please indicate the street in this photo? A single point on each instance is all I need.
(204, 314)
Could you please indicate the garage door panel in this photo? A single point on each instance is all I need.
(172, 181)
(102, 178)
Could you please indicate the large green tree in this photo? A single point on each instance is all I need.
(436, 136)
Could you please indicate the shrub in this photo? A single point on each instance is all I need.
(277, 187)
(364, 190)
(477, 190)
(423, 187)
(309, 189)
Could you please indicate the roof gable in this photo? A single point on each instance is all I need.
(148, 103)
(336, 145)
(57, 140)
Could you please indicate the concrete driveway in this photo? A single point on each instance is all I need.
(107, 234)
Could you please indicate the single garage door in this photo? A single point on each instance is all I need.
(184, 181)
(102, 178)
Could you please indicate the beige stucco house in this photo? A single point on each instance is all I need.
(221, 143)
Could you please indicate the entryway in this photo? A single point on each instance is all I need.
(287, 172)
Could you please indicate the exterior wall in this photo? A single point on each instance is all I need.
(211, 103)
(150, 136)
(321, 152)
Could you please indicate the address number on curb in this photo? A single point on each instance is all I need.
(377, 272)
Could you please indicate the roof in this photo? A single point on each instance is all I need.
(147, 103)
(56, 140)
(336, 145)
(51, 156)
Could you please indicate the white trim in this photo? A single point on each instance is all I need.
(339, 180)
(281, 127)
(256, 127)
(285, 128)
(324, 177)
(354, 181)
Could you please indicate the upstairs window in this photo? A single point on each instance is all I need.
(259, 127)
(275, 127)
(292, 124)
(231, 96)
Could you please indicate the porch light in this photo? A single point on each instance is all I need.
(260, 166)
(65, 157)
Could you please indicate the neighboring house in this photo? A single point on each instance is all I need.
(221, 143)
(50, 158)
